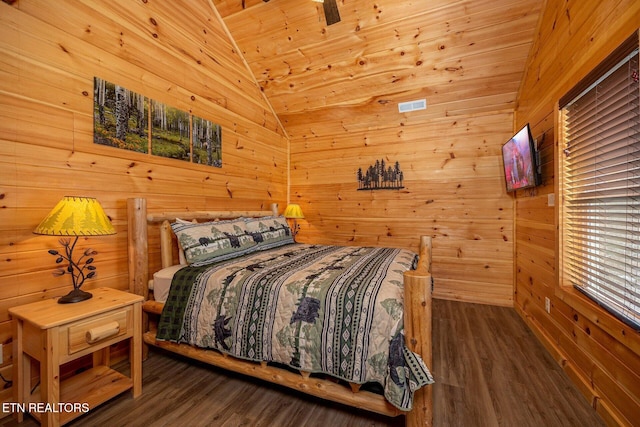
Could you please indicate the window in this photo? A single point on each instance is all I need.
(600, 175)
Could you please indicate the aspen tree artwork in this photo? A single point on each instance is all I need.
(125, 119)
(169, 132)
(120, 117)
(207, 142)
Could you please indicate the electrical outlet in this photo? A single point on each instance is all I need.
(547, 304)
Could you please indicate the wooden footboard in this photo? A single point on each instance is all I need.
(417, 319)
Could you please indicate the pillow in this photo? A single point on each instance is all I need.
(269, 231)
(181, 257)
(210, 242)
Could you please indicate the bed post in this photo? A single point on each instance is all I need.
(138, 256)
(138, 253)
(417, 328)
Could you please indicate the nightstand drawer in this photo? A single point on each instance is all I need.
(98, 329)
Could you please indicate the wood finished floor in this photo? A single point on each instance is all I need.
(489, 368)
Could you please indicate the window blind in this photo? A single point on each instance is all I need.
(601, 171)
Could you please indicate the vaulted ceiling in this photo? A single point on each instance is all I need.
(463, 56)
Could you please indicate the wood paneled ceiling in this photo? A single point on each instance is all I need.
(464, 57)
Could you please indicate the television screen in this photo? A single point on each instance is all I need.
(519, 159)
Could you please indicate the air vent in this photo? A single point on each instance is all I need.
(405, 107)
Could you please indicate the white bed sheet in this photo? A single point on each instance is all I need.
(162, 282)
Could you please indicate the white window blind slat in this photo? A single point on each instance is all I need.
(601, 188)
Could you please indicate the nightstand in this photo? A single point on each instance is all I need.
(54, 334)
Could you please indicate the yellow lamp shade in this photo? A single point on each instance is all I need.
(76, 216)
(293, 211)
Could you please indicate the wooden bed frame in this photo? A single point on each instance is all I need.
(417, 317)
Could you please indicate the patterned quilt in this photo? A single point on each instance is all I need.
(330, 309)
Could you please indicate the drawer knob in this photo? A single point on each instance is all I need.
(102, 332)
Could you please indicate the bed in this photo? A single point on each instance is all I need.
(230, 293)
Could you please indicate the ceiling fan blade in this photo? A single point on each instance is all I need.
(331, 13)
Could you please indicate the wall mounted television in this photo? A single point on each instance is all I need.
(520, 160)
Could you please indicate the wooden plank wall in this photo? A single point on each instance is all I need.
(336, 89)
(49, 55)
(599, 353)
(454, 191)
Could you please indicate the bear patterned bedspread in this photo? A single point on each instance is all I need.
(329, 309)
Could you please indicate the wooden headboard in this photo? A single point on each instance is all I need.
(138, 250)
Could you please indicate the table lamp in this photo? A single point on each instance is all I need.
(293, 211)
(75, 216)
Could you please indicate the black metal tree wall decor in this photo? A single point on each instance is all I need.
(380, 177)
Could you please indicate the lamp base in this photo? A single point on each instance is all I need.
(75, 295)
